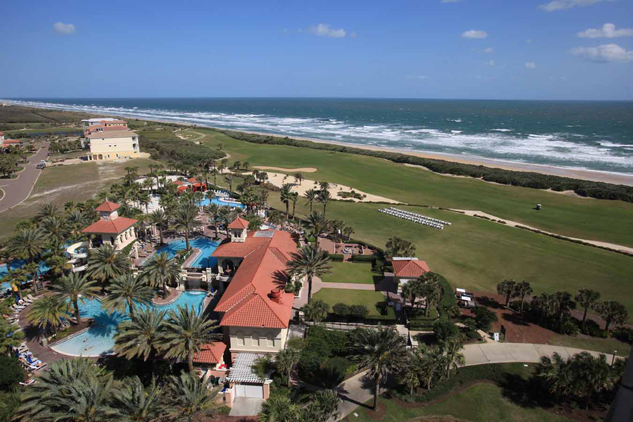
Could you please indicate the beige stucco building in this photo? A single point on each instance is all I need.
(111, 229)
(110, 139)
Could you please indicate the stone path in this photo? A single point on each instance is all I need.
(357, 390)
(17, 190)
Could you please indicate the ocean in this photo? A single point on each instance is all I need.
(581, 135)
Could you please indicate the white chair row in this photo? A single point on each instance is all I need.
(418, 220)
(413, 214)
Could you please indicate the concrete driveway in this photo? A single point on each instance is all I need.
(18, 189)
(246, 406)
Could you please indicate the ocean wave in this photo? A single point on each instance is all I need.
(553, 148)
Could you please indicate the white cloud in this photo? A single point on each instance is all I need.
(489, 63)
(554, 5)
(64, 28)
(604, 53)
(473, 33)
(607, 31)
(530, 65)
(418, 77)
(325, 30)
(489, 50)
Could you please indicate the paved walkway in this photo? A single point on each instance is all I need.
(357, 390)
(18, 189)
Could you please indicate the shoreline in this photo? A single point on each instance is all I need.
(573, 173)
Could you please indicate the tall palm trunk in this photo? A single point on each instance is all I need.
(187, 239)
(584, 319)
(309, 288)
(190, 362)
(294, 205)
(287, 209)
(77, 316)
(310, 207)
(376, 390)
(160, 235)
(324, 205)
(130, 311)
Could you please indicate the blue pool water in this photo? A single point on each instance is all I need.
(220, 202)
(206, 246)
(99, 339)
(13, 265)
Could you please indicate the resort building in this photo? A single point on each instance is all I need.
(110, 139)
(192, 184)
(111, 229)
(405, 269)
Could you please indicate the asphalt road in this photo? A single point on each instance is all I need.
(18, 189)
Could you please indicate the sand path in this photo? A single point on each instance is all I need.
(301, 169)
(612, 246)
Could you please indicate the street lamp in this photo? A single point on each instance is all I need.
(615, 352)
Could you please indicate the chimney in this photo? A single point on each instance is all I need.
(275, 295)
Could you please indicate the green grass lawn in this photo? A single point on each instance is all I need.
(481, 402)
(348, 272)
(607, 345)
(352, 297)
(609, 221)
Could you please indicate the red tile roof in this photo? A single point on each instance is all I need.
(116, 226)
(247, 302)
(210, 353)
(409, 268)
(108, 206)
(239, 223)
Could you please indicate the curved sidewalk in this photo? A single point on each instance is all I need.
(356, 391)
(19, 189)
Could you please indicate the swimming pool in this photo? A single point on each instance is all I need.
(99, 338)
(220, 202)
(14, 265)
(206, 246)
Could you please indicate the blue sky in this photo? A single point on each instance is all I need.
(510, 49)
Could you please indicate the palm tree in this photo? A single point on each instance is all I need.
(593, 374)
(160, 220)
(431, 290)
(451, 348)
(556, 374)
(612, 312)
(412, 290)
(311, 195)
(507, 288)
(161, 271)
(280, 408)
(185, 332)
(523, 289)
(563, 304)
(286, 360)
(316, 224)
(315, 311)
(75, 288)
(285, 196)
(324, 197)
(379, 351)
(16, 278)
(144, 200)
(141, 336)
(48, 311)
(28, 244)
(71, 390)
(229, 179)
(125, 293)
(48, 210)
(55, 231)
(586, 298)
(134, 402)
(213, 211)
(322, 407)
(294, 196)
(105, 263)
(184, 219)
(309, 262)
(189, 396)
(397, 246)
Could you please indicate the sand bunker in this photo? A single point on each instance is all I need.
(303, 169)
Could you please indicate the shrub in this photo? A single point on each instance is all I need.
(484, 318)
(624, 334)
(444, 330)
(337, 257)
(473, 335)
(358, 311)
(11, 373)
(363, 258)
(341, 309)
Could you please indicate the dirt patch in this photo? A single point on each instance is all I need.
(303, 169)
(517, 329)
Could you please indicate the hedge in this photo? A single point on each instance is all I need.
(337, 257)
(363, 258)
(448, 297)
(533, 180)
